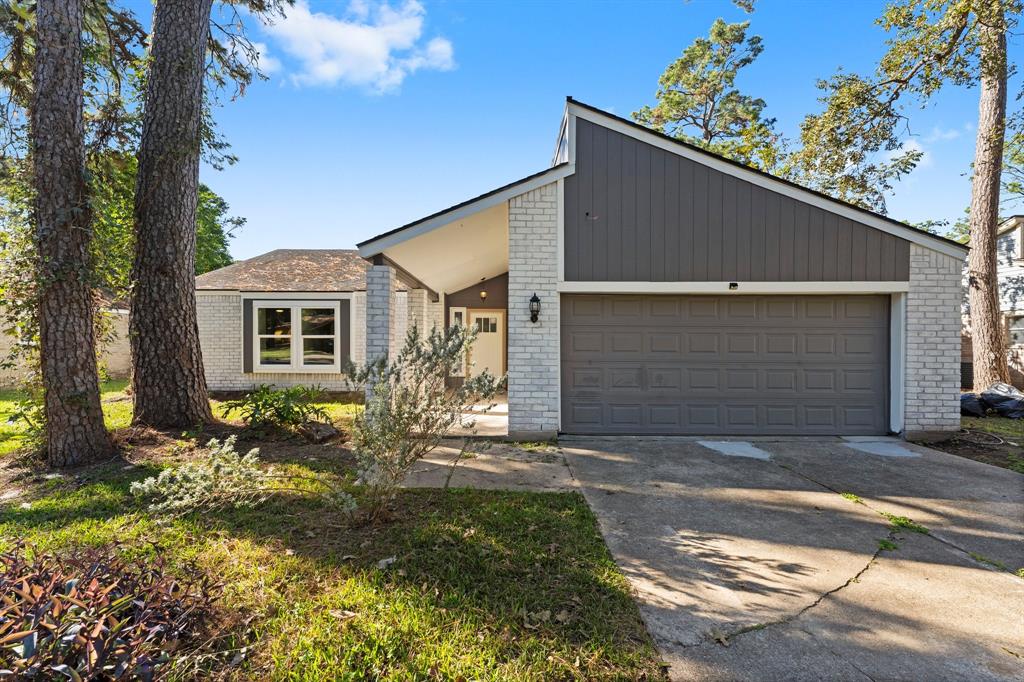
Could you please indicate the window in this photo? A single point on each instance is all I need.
(487, 325)
(458, 317)
(1016, 328)
(296, 336)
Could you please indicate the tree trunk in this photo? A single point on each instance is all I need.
(74, 421)
(987, 332)
(168, 383)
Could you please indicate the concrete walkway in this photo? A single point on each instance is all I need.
(495, 466)
(749, 565)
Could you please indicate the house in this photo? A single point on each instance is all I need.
(287, 317)
(640, 285)
(1010, 271)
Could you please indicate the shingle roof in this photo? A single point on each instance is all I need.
(291, 270)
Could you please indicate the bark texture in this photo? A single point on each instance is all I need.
(74, 421)
(988, 334)
(168, 382)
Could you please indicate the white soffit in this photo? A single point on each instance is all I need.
(456, 255)
(767, 182)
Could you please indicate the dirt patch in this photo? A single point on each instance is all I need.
(997, 450)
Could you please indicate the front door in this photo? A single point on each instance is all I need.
(488, 350)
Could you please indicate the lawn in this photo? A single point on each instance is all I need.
(484, 585)
(993, 440)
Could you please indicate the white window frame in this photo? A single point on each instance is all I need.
(1009, 330)
(296, 365)
(461, 372)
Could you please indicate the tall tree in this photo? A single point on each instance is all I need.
(855, 147)
(74, 421)
(698, 101)
(169, 386)
(987, 329)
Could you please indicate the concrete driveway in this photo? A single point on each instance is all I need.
(749, 564)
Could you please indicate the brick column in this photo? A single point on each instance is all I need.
(533, 348)
(933, 322)
(417, 311)
(380, 311)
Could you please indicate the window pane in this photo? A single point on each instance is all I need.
(318, 321)
(276, 321)
(276, 351)
(318, 351)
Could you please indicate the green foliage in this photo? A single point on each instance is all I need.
(887, 545)
(1013, 163)
(225, 478)
(266, 406)
(698, 101)
(904, 523)
(410, 408)
(856, 148)
(92, 615)
(852, 497)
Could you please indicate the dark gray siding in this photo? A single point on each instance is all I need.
(634, 212)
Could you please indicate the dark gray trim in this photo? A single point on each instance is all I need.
(247, 335)
(345, 331)
(636, 212)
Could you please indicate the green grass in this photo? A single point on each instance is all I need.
(852, 497)
(485, 584)
(1003, 427)
(117, 414)
(887, 545)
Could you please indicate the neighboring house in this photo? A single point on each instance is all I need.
(1010, 252)
(291, 316)
(679, 293)
(115, 355)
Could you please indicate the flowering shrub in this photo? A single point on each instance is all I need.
(226, 478)
(93, 616)
(410, 409)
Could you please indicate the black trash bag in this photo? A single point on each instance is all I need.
(971, 406)
(1005, 400)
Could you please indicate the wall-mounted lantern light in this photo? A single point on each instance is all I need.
(534, 308)
(483, 290)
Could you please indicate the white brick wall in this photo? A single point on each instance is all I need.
(380, 311)
(932, 388)
(533, 362)
(220, 336)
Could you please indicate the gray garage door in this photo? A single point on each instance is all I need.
(725, 364)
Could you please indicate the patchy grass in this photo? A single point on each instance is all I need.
(852, 497)
(981, 559)
(485, 585)
(887, 545)
(117, 412)
(904, 523)
(993, 440)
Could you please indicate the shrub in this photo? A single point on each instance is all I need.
(285, 408)
(93, 616)
(224, 478)
(410, 409)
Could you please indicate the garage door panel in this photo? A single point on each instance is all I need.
(757, 364)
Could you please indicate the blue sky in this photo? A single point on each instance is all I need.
(375, 115)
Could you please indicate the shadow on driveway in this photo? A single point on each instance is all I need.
(751, 569)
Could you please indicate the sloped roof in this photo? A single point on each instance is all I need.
(291, 270)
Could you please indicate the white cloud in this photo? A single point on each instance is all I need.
(912, 146)
(373, 45)
(268, 63)
(939, 134)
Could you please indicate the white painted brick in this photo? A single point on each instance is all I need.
(932, 400)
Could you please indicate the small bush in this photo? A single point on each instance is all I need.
(409, 409)
(225, 478)
(284, 408)
(93, 616)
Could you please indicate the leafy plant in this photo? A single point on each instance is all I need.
(902, 522)
(92, 615)
(409, 408)
(266, 406)
(226, 478)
